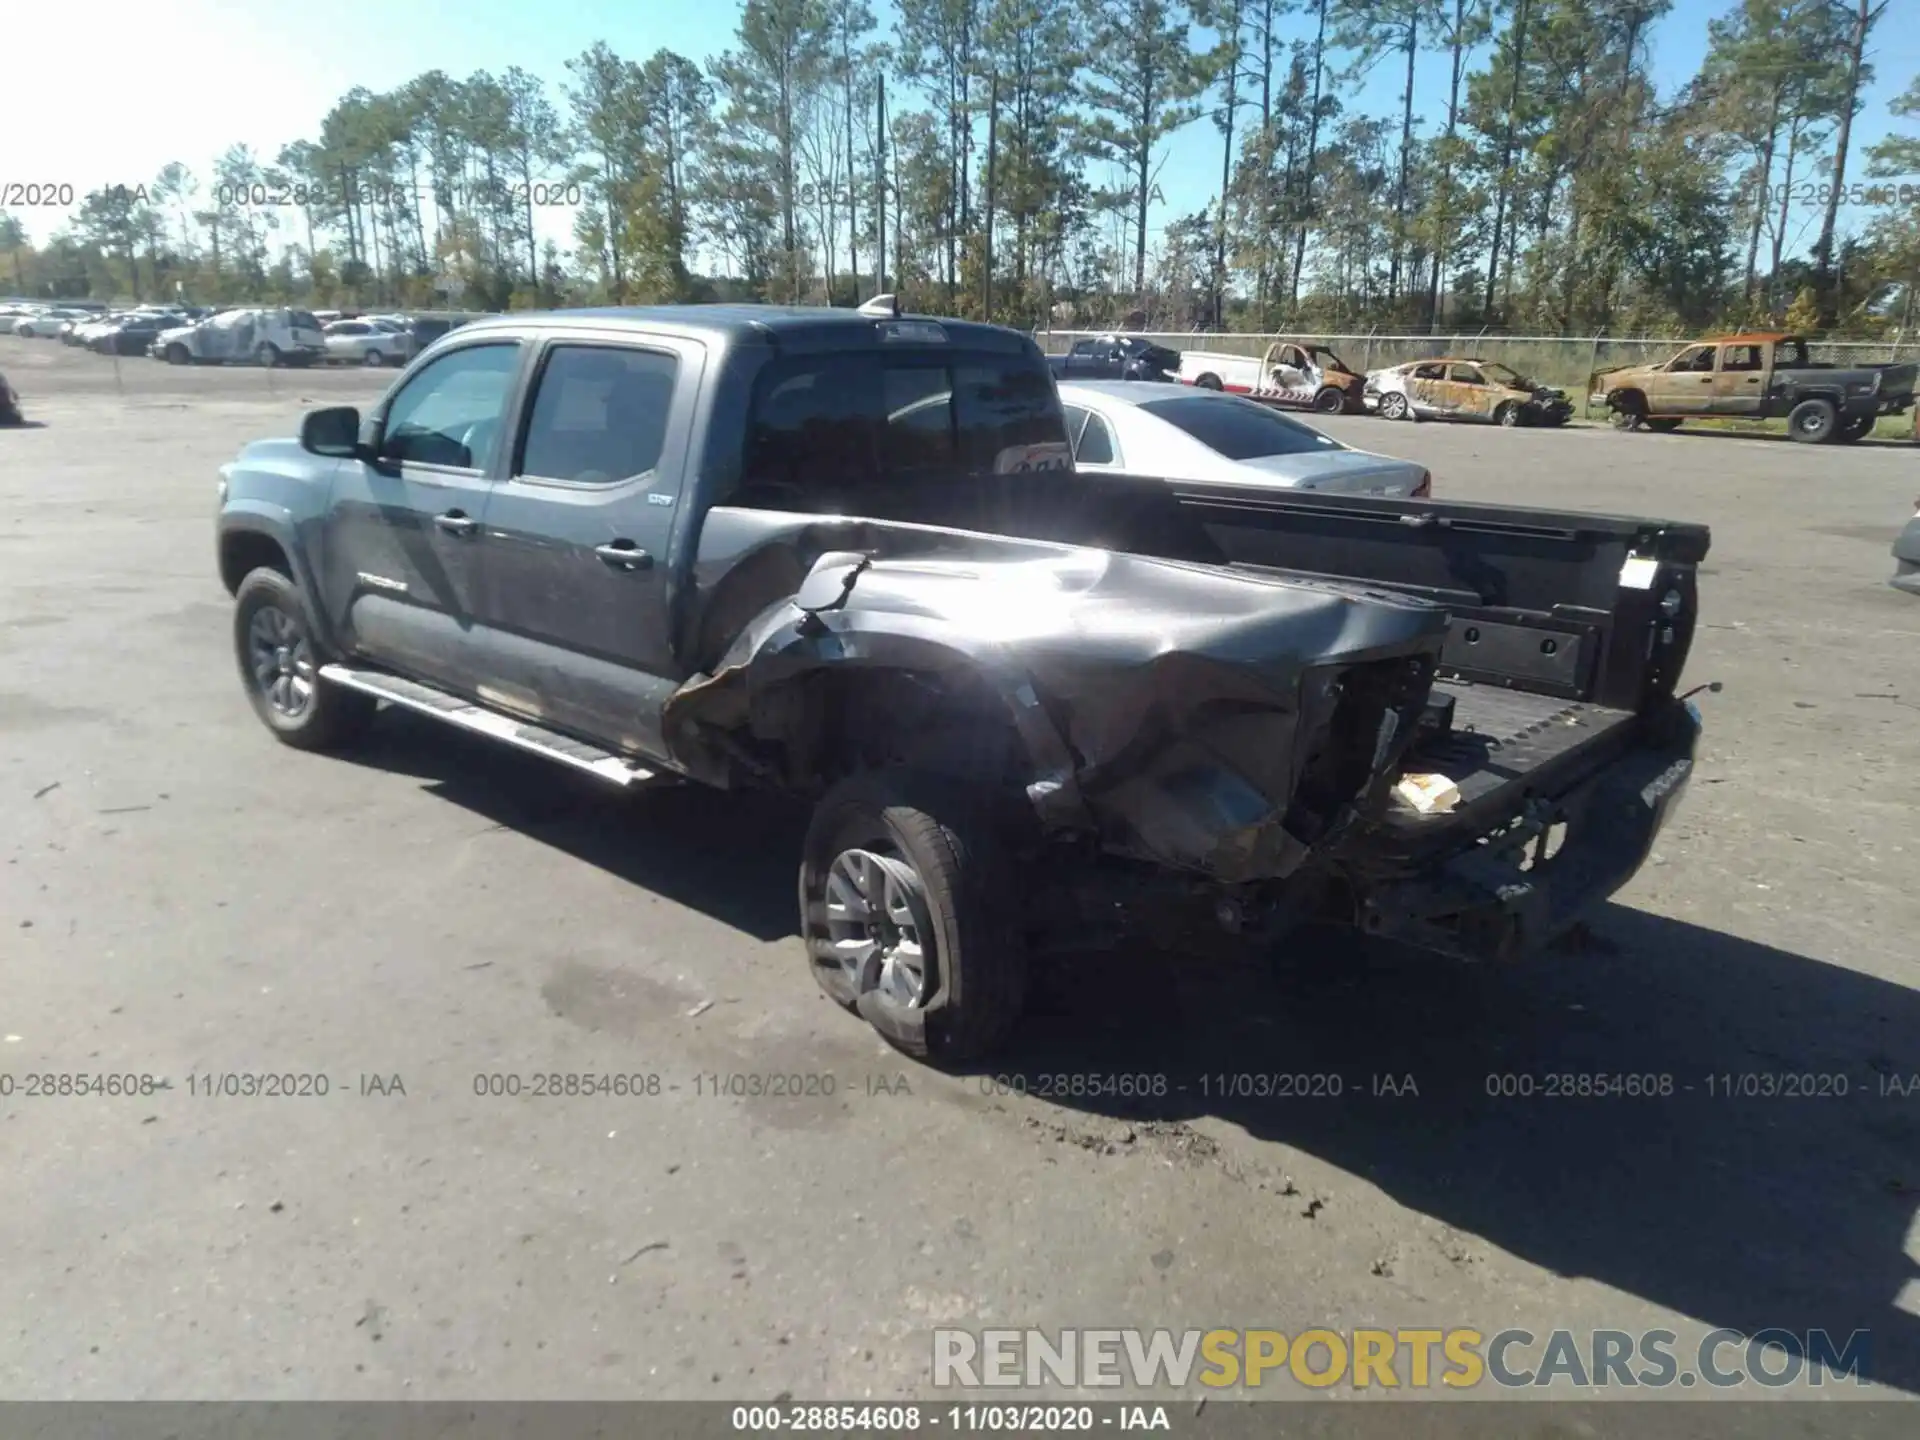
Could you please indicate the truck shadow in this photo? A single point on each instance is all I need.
(1748, 1212)
(1745, 1212)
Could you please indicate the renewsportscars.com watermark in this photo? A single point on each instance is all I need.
(1367, 1359)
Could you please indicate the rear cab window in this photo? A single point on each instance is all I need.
(855, 430)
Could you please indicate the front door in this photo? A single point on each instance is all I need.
(1426, 390)
(1469, 397)
(1740, 383)
(401, 543)
(1685, 385)
(575, 622)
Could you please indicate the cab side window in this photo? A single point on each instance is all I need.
(449, 413)
(1699, 358)
(1740, 357)
(1466, 374)
(1429, 372)
(1096, 443)
(599, 414)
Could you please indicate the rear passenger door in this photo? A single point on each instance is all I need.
(573, 625)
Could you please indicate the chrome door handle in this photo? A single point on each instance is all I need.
(624, 556)
(455, 523)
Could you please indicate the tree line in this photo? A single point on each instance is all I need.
(1002, 159)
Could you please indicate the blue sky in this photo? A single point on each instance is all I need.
(264, 72)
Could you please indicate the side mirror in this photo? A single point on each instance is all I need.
(334, 431)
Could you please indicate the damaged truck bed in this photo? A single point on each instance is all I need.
(851, 562)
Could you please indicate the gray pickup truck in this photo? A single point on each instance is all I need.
(844, 555)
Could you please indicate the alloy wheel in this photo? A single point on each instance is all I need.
(879, 927)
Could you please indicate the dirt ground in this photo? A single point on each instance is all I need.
(183, 897)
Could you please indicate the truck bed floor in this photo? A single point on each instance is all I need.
(1499, 736)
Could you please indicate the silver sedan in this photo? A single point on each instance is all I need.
(367, 342)
(1185, 433)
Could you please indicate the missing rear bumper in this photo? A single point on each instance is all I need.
(1513, 890)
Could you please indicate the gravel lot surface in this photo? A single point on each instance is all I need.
(180, 895)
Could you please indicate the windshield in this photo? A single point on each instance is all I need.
(1239, 429)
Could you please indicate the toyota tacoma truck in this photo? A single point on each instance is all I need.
(1755, 377)
(844, 555)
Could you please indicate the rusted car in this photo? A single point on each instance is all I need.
(1755, 376)
(1464, 388)
(1297, 373)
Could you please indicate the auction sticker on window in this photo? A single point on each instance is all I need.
(1018, 459)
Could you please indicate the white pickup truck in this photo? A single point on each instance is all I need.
(1292, 372)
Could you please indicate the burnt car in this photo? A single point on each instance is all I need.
(1756, 376)
(845, 556)
(1451, 388)
(1299, 374)
(1115, 357)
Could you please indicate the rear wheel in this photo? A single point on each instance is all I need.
(1393, 406)
(267, 354)
(907, 907)
(1813, 422)
(1329, 400)
(373, 358)
(1208, 382)
(1664, 426)
(177, 354)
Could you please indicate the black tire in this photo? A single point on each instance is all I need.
(267, 353)
(1628, 410)
(952, 846)
(1813, 422)
(1664, 426)
(177, 354)
(373, 359)
(1508, 415)
(1330, 400)
(329, 716)
(1855, 427)
(1208, 381)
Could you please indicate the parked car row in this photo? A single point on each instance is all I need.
(260, 335)
(1754, 376)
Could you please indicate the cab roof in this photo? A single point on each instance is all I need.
(1751, 337)
(785, 326)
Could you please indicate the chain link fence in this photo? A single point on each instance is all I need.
(1563, 360)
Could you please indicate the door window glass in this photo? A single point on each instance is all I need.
(1468, 375)
(599, 414)
(449, 413)
(1096, 443)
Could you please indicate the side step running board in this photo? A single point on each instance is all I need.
(477, 718)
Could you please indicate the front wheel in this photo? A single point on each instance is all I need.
(1508, 415)
(1663, 426)
(267, 354)
(1393, 406)
(907, 907)
(1813, 422)
(279, 665)
(373, 359)
(1208, 382)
